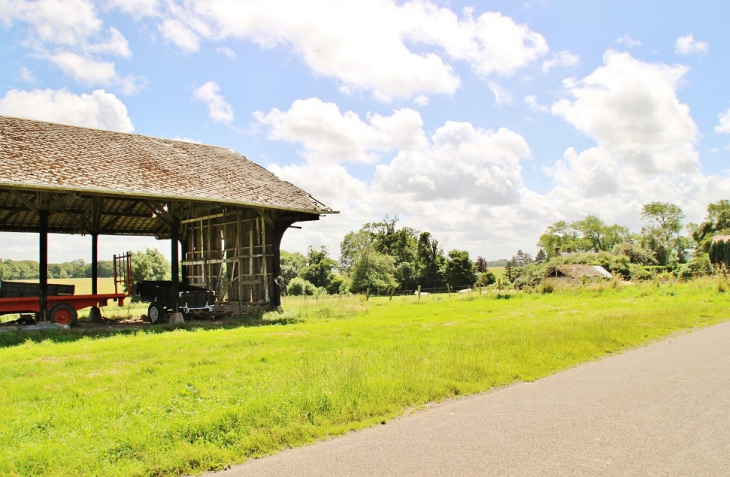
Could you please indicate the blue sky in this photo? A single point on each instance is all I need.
(481, 122)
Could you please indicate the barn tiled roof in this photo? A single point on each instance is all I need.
(44, 155)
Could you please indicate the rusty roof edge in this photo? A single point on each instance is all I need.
(47, 187)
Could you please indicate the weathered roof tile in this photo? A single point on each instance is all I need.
(41, 154)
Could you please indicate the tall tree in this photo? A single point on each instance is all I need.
(661, 234)
(291, 265)
(459, 270)
(364, 264)
(431, 262)
(318, 270)
(560, 235)
(149, 265)
(481, 264)
(399, 243)
(716, 221)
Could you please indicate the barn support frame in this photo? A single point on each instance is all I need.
(236, 253)
(233, 250)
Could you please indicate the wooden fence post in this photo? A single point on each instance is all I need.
(419, 292)
(448, 287)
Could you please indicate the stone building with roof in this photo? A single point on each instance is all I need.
(577, 272)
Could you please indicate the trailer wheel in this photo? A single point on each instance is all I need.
(63, 314)
(155, 313)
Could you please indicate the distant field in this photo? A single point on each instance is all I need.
(166, 401)
(83, 285)
(498, 271)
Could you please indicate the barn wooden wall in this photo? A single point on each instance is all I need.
(231, 253)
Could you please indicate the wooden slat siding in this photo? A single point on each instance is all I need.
(242, 271)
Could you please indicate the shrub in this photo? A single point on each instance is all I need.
(547, 287)
(299, 286)
(639, 273)
(486, 278)
(697, 267)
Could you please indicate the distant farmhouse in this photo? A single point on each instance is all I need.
(577, 272)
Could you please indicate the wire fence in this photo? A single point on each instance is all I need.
(401, 292)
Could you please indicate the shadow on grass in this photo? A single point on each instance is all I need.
(14, 337)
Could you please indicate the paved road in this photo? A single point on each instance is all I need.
(662, 409)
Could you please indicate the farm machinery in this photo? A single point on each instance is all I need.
(62, 304)
(162, 299)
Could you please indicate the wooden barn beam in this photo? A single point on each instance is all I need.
(25, 201)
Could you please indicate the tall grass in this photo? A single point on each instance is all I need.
(186, 401)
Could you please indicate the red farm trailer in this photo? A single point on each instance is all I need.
(62, 304)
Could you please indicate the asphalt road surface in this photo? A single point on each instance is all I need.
(662, 409)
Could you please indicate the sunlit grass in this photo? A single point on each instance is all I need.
(185, 401)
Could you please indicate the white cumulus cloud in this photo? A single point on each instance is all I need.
(561, 58)
(632, 111)
(100, 110)
(460, 162)
(326, 134)
(390, 49)
(219, 110)
(628, 41)
(687, 45)
(70, 34)
(724, 126)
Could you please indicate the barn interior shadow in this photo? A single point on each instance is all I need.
(15, 336)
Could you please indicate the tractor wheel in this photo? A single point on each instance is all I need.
(63, 314)
(156, 313)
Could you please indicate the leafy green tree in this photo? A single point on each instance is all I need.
(540, 257)
(364, 264)
(481, 265)
(596, 235)
(560, 235)
(635, 253)
(459, 270)
(486, 278)
(660, 235)
(299, 286)
(431, 262)
(717, 221)
(149, 265)
(516, 265)
(318, 270)
(291, 264)
(105, 269)
(399, 243)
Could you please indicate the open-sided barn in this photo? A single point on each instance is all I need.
(226, 213)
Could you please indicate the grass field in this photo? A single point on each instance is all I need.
(83, 285)
(181, 401)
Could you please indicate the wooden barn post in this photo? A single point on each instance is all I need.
(277, 234)
(174, 259)
(43, 263)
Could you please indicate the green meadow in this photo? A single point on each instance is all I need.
(175, 401)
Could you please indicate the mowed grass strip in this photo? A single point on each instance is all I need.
(183, 401)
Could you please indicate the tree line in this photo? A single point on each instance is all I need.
(382, 256)
(659, 247)
(148, 265)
